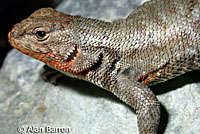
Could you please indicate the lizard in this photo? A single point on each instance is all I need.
(158, 41)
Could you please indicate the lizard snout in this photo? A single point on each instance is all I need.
(13, 32)
(13, 35)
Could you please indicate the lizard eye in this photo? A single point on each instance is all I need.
(41, 34)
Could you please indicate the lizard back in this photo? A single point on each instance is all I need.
(161, 39)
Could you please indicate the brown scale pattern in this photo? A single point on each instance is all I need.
(158, 41)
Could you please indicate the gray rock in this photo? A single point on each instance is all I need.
(107, 10)
(26, 100)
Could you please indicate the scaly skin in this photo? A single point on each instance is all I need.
(158, 41)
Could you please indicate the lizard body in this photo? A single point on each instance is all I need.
(156, 42)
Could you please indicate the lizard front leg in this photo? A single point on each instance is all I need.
(124, 85)
(142, 99)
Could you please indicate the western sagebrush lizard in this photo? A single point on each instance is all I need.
(158, 41)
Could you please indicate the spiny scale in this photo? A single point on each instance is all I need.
(158, 41)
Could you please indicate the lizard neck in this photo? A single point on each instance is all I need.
(93, 32)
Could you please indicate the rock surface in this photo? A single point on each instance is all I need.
(25, 99)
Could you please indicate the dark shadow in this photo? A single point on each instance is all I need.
(87, 89)
(164, 118)
(187, 78)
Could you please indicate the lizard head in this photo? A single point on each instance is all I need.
(45, 35)
(42, 33)
(50, 36)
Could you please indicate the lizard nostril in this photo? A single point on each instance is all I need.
(13, 32)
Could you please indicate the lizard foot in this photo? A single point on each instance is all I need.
(51, 75)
